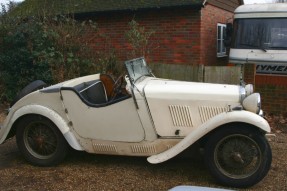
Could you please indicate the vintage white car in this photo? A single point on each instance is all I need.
(152, 117)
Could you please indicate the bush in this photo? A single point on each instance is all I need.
(138, 37)
(54, 49)
(50, 49)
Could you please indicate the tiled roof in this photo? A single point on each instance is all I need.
(30, 7)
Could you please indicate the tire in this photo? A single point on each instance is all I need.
(33, 86)
(40, 141)
(238, 155)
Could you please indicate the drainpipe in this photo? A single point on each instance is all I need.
(203, 4)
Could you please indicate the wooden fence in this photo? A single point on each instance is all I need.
(199, 73)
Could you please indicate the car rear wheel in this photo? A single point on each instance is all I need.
(40, 141)
(238, 156)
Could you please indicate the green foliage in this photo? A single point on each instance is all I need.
(50, 49)
(109, 63)
(138, 37)
(55, 49)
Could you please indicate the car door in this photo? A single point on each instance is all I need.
(116, 122)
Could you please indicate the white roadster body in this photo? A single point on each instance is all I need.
(153, 117)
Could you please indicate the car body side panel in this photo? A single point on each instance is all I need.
(144, 114)
(116, 122)
(221, 119)
(48, 113)
(177, 108)
(51, 101)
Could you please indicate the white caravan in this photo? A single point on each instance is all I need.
(259, 35)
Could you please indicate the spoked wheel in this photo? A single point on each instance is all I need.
(238, 156)
(40, 141)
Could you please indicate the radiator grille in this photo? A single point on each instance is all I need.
(180, 115)
(143, 149)
(105, 148)
(207, 112)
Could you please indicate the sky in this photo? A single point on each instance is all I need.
(7, 1)
(257, 1)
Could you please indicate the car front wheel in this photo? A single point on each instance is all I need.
(238, 156)
(40, 141)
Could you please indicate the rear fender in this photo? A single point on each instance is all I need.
(48, 113)
(219, 120)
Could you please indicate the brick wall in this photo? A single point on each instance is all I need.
(182, 35)
(211, 16)
(175, 41)
(273, 90)
(249, 72)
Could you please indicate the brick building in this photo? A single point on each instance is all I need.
(185, 31)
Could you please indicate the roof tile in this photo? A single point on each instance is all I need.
(29, 7)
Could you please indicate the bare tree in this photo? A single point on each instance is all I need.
(280, 1)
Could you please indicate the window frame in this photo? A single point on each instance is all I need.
(220, 48)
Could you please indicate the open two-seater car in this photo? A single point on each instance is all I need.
(152, 117)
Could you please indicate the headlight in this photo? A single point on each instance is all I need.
(249, 89)
(252, 103)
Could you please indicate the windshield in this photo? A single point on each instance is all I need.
(270, 33)
(137, 68)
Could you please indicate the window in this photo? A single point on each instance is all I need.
(221, 49)
(263, 33)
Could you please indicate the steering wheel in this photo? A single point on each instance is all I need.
(117, 88)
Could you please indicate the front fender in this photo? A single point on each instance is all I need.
(199, 132)
(44, 111)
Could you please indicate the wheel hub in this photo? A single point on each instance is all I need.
(40, 140)
(237, 157)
